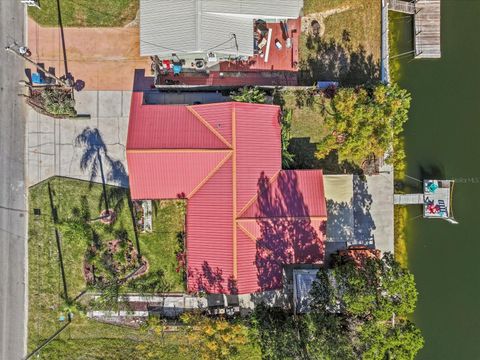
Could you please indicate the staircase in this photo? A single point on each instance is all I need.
(402, 6)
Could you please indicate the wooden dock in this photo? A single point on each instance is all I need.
(408, 199)
(426, 18)
(427, 29)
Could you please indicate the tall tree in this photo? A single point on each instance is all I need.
(364, 121)
(380, 288)
(359, 311)
(213, 338)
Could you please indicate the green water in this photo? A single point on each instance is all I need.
(443, 139)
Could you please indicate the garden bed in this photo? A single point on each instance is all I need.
(77, 205)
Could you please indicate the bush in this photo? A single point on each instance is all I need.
(249, 95)
(58, 102)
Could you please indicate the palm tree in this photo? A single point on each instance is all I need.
(94, 149)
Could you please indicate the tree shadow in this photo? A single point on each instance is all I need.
(333, 61)
(286, 232)
(434, 171)
(304, 158)
(96, 160)
(363, 221)
(211, 280)
(340, 221)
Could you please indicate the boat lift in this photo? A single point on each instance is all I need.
(436, 200)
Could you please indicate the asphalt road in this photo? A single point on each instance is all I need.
(13, 216)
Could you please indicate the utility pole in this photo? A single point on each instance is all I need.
(236, 42)
(14, 48)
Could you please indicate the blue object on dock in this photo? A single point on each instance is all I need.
(432, 187)
(177, 69)
(38, 78)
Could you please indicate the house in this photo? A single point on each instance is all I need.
(303, 279)
(201, 28)
(246, 217)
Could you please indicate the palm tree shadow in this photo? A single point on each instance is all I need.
(96, 160)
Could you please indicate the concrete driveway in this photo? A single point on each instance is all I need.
(104, 58)
(51, 142)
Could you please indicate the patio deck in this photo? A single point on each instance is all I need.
(278, 59)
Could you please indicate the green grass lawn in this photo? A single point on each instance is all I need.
(92, 13)
(307, 129)
(160, 246)
(92, 340)
(349, 49)
(75, 199)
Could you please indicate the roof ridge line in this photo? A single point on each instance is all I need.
(210, 174)
(281, 217)
(234, 192)
(208, 126)
(174, 150)
(255, 197)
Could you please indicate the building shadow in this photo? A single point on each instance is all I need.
(141, 82)
(333, 61)
(286, 233)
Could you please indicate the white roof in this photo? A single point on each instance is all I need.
(200, 26)
(302, 284)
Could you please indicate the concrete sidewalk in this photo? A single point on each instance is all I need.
(51, 142)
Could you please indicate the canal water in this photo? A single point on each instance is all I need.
(443, 141)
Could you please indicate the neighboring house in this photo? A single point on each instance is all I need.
(246, 217)
(197, 28)
(303, 279)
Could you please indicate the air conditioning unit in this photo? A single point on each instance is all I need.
(212, 57)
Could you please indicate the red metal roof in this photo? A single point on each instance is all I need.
(170, 174)
(246, 218)
(281, 196)
(168, 127)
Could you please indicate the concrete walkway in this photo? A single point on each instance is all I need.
(360, 212)
(51, 142)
